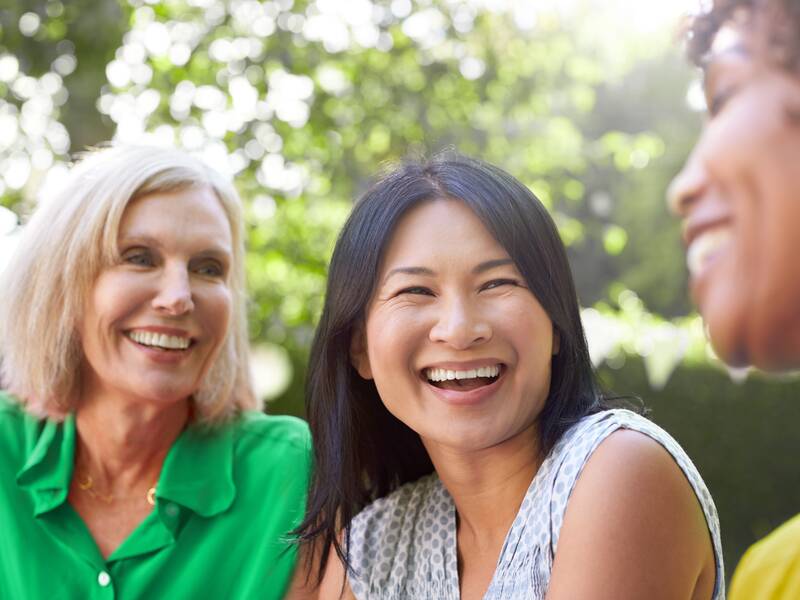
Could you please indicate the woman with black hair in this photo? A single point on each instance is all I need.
(462, 446)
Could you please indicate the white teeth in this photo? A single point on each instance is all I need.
(704, 247)
(466, 374)
(447, 374)
(159, 340)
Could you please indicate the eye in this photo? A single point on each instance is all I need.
(210, 268)
(140, 257)
(416, 290)
(496, 283)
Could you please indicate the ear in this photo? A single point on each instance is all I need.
(556, 341)
(359, 357)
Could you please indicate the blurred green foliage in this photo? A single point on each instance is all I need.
(304, 102)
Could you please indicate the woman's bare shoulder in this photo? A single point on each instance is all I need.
(633, 527)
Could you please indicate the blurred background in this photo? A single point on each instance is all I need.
(588, 102)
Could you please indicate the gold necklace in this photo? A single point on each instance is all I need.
(86, 484)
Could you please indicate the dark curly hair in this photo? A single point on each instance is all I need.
(777, 20)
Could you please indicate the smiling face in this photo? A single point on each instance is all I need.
(155, 321)
(458, 347)
(739, 195)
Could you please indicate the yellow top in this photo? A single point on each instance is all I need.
(770, 569)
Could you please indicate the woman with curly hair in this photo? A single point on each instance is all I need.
(738, 195)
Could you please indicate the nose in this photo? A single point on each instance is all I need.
(460, 325)
(174, 295)
(687, 186)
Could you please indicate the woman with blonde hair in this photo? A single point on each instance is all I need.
(133, 460)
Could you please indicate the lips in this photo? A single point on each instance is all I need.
(707, 231)
(705, 247)
(463, 383)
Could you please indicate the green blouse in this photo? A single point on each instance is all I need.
(225, 501)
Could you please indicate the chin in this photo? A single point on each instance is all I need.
(775, 358)
(726, 319)
(730, 350)
(771, 354)
(165, 396)
(462, 440)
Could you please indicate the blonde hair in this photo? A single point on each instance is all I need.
(69, 239)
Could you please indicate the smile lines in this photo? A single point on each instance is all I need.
(448, 375)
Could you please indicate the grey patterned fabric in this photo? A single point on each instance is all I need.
(403, 546)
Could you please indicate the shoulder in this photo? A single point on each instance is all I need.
(779, 547)
(270, 444)
(20, 434)
(619, 451)
(598, 425)
(272, 431)
(10, 407)
(770, 565)
(270, 457)
(16, 425)
(636, 497)
(628, 440)
(626, 459)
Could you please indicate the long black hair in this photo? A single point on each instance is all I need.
(361, 451)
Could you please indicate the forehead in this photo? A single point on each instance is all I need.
(199, 204)
(441, 226)
(194, 213)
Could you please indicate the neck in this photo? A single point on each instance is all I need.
(122, 443)
(488, 485)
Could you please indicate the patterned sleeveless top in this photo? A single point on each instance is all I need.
(403, 546)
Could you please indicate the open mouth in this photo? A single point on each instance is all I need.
(463, 381)
(160, 341)
(705, 247)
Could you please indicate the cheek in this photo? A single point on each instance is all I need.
(218, 313)
(392, 341)
(109, 301)
(736, 139)
(528, 325)
(531, 334)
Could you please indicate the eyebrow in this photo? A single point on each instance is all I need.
(147, 240)
(477, 270)
(138, 239)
